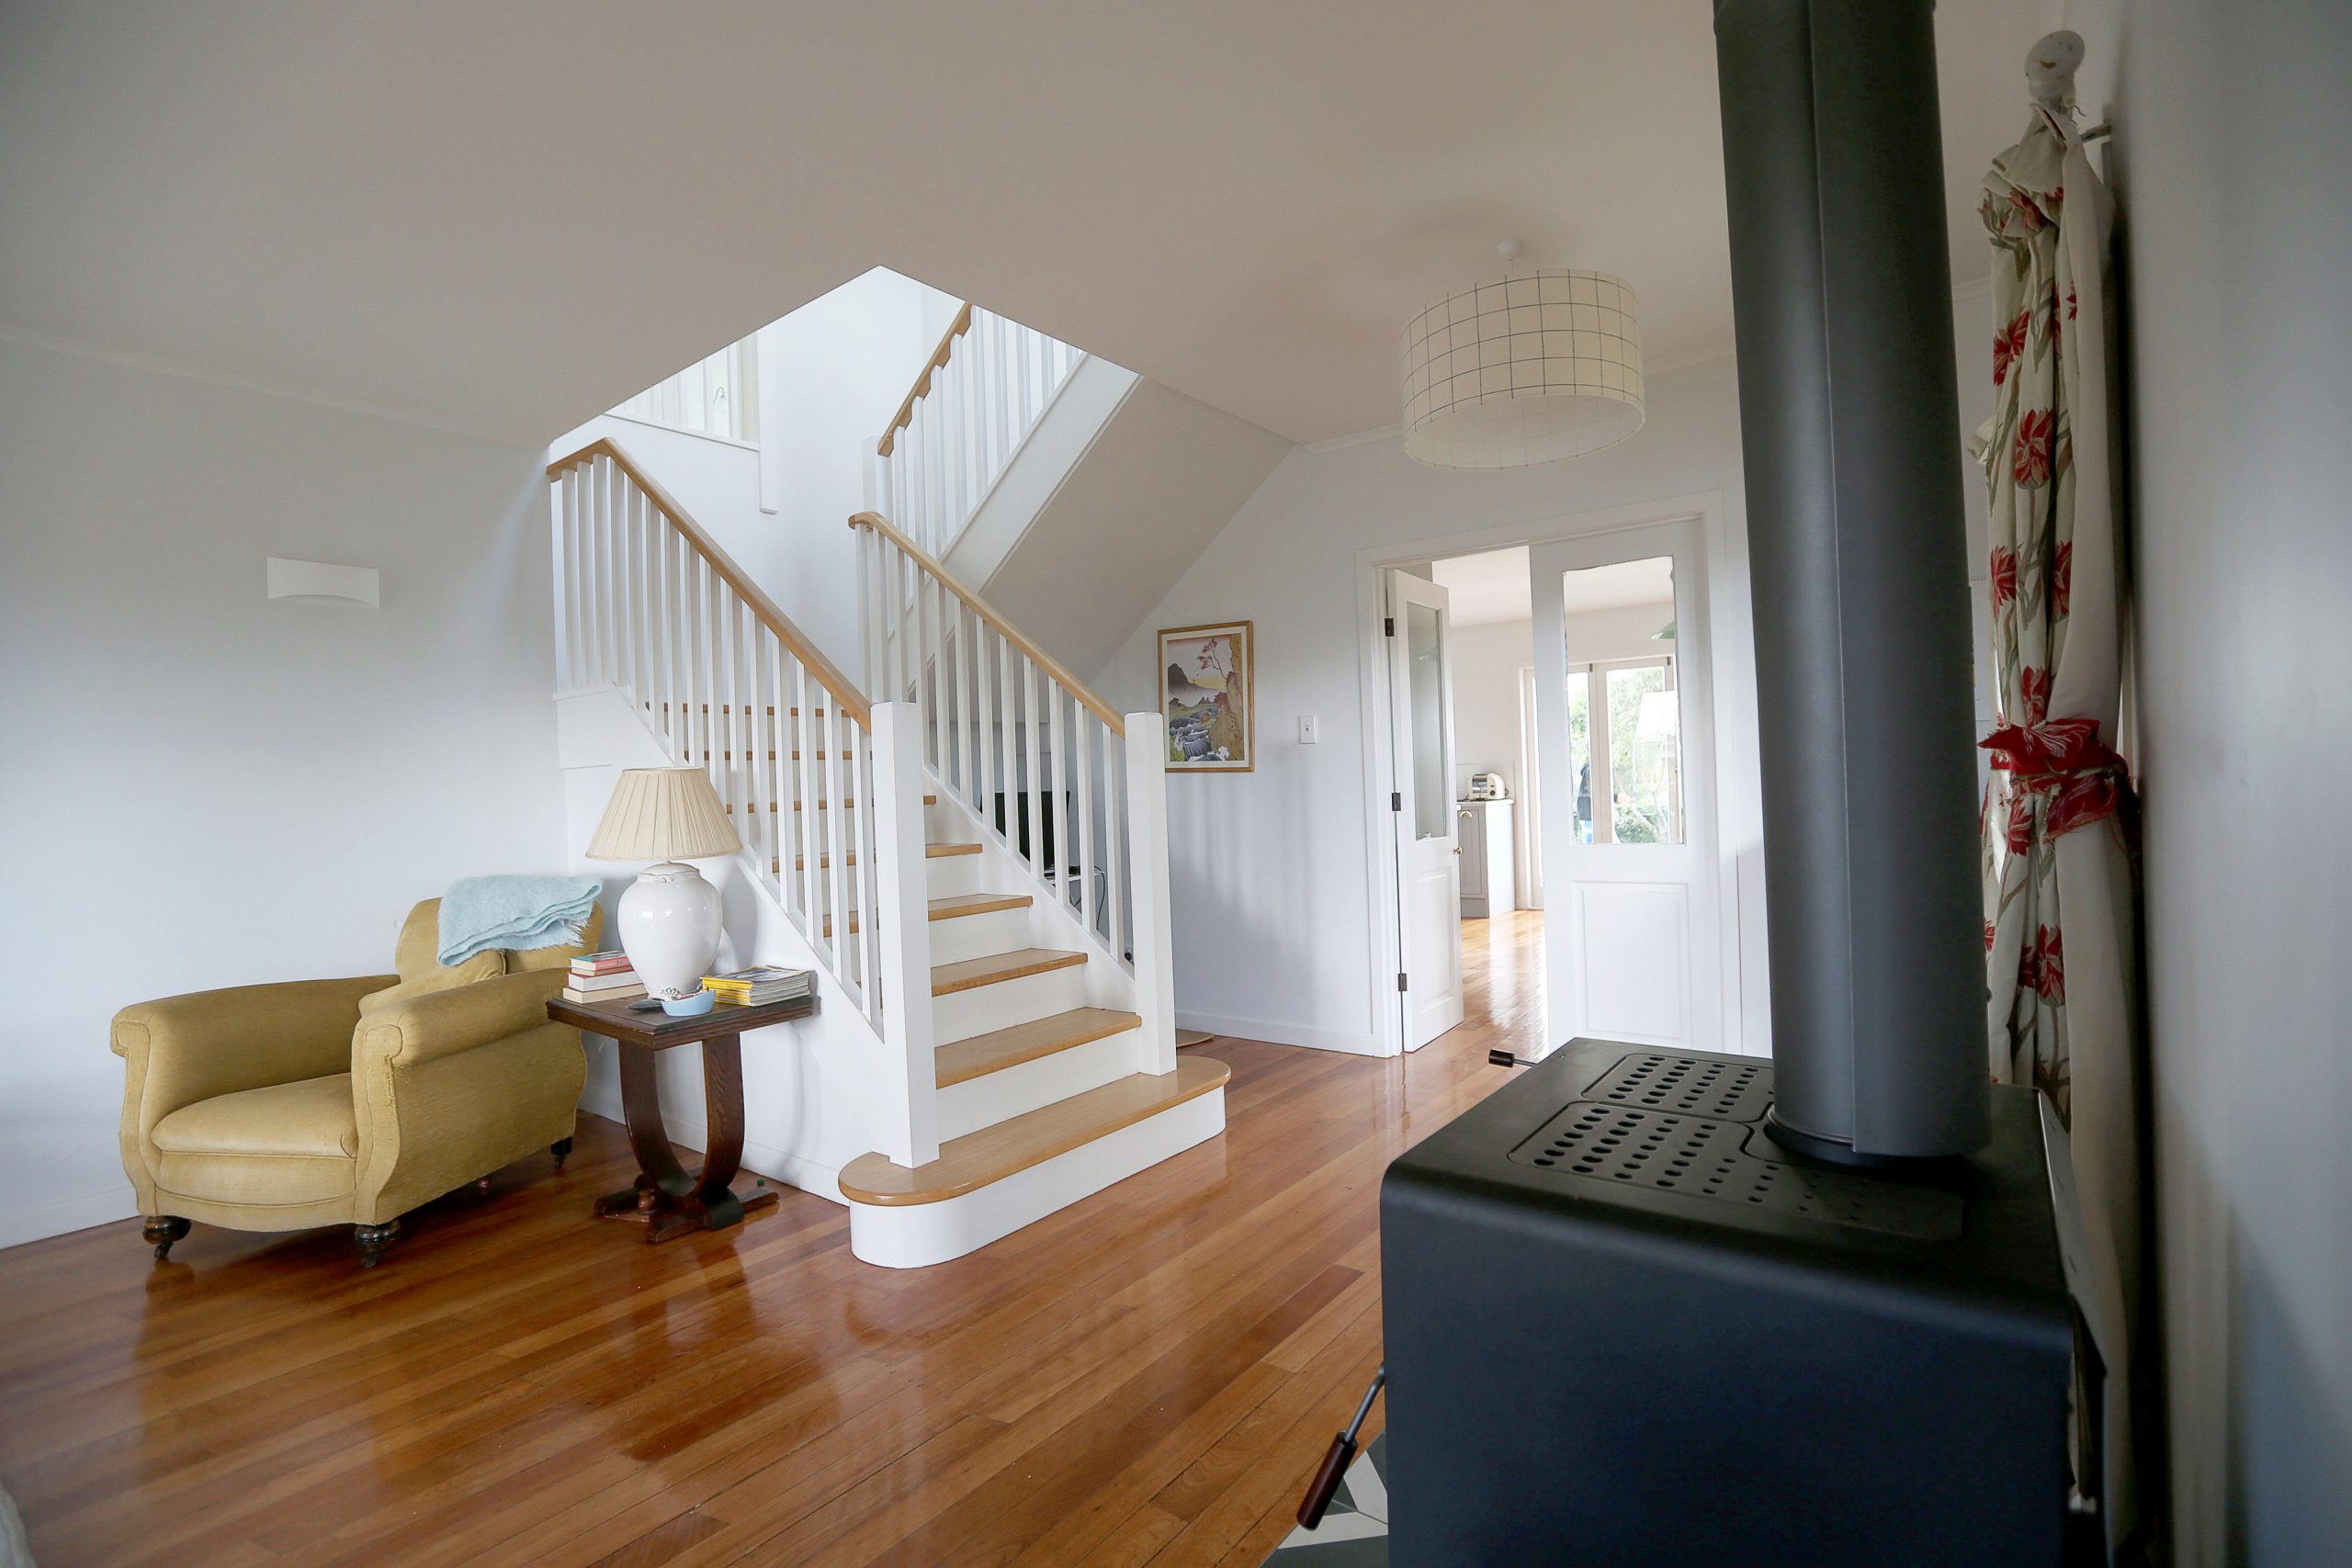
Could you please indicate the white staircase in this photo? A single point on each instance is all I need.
(1018, 463)
(1009, 1016)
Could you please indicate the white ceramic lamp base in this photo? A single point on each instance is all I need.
(668, 928)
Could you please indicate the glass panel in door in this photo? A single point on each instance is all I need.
(1432, 801)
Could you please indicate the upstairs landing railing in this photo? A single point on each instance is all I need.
(978, 397)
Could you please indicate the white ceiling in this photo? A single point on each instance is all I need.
(1494, 586)
(509, 217)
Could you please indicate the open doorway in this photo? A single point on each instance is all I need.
(1461, 706)
(1559, 693)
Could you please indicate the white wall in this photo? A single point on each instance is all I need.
(1273, 870)
(831, 375)
(1487, 662)
(204, 788)
(2234, 131)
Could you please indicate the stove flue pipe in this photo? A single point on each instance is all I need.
(1841, 282)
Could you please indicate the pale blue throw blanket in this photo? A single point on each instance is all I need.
(516, 913)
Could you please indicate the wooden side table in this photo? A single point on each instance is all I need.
(666, 1200)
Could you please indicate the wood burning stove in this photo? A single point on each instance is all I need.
(1666, 1306)
(1626, 1326)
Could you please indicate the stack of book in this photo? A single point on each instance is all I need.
(757, 987)
(602, 977)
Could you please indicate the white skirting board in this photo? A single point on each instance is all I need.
(915, 1236)
(1349, 1040)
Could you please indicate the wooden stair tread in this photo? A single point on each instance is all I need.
(972, 973)
(950, 909)
(824, 862)
(956, 906)
(979, 1055)
(1034, 1137)
(822, 805)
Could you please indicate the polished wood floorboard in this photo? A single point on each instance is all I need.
(1148, 1377)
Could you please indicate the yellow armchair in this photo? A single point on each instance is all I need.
(269, 1108)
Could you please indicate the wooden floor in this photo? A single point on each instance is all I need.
(1147, 1377)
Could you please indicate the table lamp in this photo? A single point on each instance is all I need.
(669, 917)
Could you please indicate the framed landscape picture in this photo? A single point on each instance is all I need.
(1206, 680)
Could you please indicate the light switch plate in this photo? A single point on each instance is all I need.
(1310, 729)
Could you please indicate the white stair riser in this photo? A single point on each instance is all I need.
(944, 876)
(959, 1015)
(914, 1236)
(977, 936)
(992, 1097)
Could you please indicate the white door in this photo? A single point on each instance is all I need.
(1428, 847)
(1625, 723)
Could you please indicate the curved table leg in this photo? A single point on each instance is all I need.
(666, 1200)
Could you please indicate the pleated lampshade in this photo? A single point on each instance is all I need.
(1530, 369)
(659, 814)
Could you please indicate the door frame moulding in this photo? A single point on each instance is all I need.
(1703, 508)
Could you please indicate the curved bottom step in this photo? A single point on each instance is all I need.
(988, 1184)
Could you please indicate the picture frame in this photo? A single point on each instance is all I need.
(1208, 692)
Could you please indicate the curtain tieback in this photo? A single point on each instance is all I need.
(2065, 760)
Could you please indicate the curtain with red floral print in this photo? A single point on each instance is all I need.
(2059, 904)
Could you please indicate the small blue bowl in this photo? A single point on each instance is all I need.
(690, 1005)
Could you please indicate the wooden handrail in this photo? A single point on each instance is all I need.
(905, 416)
(845, 694)
(993, 617)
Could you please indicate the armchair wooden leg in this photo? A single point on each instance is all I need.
(160, 1231)
(561, 1149)
(374, 1241)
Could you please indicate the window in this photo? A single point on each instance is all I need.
(1628, 767)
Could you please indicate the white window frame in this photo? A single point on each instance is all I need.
(1595, 673)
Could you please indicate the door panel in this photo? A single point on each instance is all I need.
(1625, 723)
(1635, 960)
(1428, 845)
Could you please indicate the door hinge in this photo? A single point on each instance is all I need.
(1395, 800)
(1400, 979)
(1388, 625)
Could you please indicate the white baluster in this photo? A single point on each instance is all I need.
(1083, 730)
(836, 731)
(1114, 915)
(955, 667)
(986, 704)
(1007, 787)
(807, 742)
(1032, 783)
(567, 594)
(875, 822)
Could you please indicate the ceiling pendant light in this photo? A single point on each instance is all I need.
(1538, 367)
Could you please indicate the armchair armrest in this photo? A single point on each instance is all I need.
(183, 1049)
(425, 1028)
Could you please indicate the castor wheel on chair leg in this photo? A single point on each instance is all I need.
(374, 1241)
(162, 1230)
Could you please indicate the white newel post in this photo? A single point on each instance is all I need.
(1146, 785)
(903, 893)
